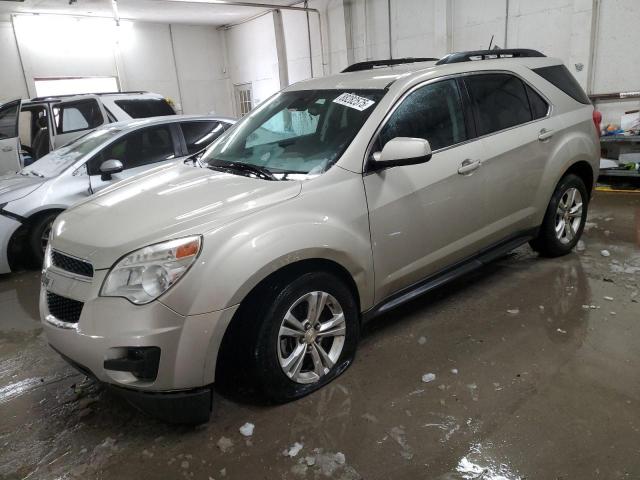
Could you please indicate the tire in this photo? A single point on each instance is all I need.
(270, 347)
(563, 225)
(36, 241)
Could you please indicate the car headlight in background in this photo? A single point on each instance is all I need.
(144, 275)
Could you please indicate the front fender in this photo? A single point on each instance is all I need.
(238, 256)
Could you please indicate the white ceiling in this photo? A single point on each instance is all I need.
(142, 10)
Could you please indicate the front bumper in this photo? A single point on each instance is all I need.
(106, 327)
(8, 227)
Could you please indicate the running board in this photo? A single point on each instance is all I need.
(449, 274)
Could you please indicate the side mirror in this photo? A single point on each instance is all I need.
(402, 151)
(109, 167)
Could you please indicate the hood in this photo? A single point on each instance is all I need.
(15, 186)
(167, 203)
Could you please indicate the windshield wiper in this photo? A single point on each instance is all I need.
(261, 172)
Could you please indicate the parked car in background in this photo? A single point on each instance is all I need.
(29, 129)
(338, 199)
(33, 198)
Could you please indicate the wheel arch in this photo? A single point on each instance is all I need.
(582, 169)
(16, 253)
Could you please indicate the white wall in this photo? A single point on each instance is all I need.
(140, 54)
(252, 57)
(12, 84)
(201, 70)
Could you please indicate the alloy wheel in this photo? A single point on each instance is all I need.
(311, 337)
(568, 215)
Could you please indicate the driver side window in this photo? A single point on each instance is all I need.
(433, 112)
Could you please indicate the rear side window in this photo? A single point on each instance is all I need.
(561, 77)
(75, 116)
(138, 148)
(433, 112)
(539, 106)
(198, 135)
(500, 101)
(145, 107)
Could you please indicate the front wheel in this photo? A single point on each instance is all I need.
(564, 219)
(307, 333)
(39, 238)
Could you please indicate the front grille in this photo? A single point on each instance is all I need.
(70, 264)
(64, 309)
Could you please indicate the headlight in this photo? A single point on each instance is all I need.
(144, 275)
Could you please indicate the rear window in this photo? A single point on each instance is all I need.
(561, 77)
(145, 107)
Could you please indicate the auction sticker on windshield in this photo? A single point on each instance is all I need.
(354, 101)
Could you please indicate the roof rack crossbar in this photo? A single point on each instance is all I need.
(56, 97)
(371, 64)
(474, 55)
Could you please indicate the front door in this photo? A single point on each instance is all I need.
(428, 216)
(138, 151)
(9, 139)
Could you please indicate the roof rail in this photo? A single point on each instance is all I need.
(488, 55)
(56, 97)
(370, 65)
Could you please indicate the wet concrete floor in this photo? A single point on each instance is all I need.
(536, 365)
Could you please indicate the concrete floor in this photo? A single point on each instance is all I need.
(547, 386)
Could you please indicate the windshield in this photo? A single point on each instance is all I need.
(295, 135)
(56, 162)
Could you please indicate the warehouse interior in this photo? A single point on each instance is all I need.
(524, 368)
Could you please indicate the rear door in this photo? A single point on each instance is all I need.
(513, 121)
(9, 139)
(139, 150)
(73, 118)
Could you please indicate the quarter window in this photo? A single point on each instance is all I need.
(75, 116)
(433, 112)
(539, 107)
(138, 148)
(198, 135)
(500, 101)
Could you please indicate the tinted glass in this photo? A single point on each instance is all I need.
(433, 112)
(539, 107)
(54, 163)
(500, 101)
(198, 135)
(138, 148)
(295, 134)
(9, 121)
(561, 77)
(74, 116)
(145, 107)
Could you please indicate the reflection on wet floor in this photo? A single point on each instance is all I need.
(535, 364)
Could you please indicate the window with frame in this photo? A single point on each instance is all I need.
(9, 121)
(75, 116)
(198, 135)
(500, 101)
(539, 106)
(433, 112)
(136, 149)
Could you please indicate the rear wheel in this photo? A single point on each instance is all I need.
(39, 234)
(306, 335)
(564, 219)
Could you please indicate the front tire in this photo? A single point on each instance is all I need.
(39, 238)
(307, 333)
(564, 219)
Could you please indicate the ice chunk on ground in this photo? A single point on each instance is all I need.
(224, 444)
(422, 340)
(293, 450)
(609, 298)
(428, 377)
(340, 458)
(605, 253)
(454, 371)
(247, 429)
(513, 311)
(580, 246)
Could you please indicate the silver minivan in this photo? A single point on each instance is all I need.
(31, 199)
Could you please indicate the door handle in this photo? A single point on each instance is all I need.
(7, 149)
(469, 166)
(545, 134)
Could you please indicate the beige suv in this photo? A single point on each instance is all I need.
(337, 199)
